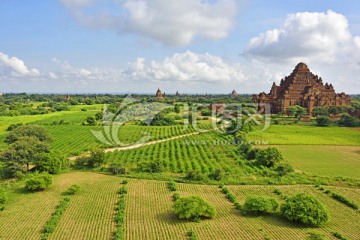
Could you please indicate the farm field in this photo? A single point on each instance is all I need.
(204, 152)
(307, 135)
(149, 216)
(324, 160)
(88, 216)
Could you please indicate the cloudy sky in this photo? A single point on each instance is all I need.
(193, 46)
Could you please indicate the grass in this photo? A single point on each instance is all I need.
(324, 160)
(307, 135)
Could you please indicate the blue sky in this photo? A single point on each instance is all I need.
(194, 46)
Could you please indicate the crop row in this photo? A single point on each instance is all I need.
(198, 152)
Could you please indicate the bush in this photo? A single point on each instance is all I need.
(283, 169)
(3, 196)
(172, 186)
(39, 181)
(217, 175)
(193, 208)
(124, 182)
(339, 236)
(257, 205)
(342, 199)
(323, 121)
(195, 176)
(316, 236)
(268, 157)
(73, 189)
(116, 168)
(305, 209)
(192, 235)
(176, 196)
(123, 190)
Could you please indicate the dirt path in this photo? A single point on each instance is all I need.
(112, 149)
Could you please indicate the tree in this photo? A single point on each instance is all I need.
(290, 111)
(323, 121)
(99, 116)
(268, 157)
(217, 175)
(305, 209)
(177, 108)
(348, 121)
(52, 163)
(257, 205)
(320, 111)
(97, 157)
(24, 151)
(195, 175)
(193, 208)
(300, 111)
(90, 121)
(28, 131)
(334, 110)
(39, 182)
(283, 169)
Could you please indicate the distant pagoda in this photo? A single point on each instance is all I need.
(234, 93)
(159, 94)
(301, 88)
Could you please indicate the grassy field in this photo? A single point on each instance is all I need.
(307, 135)
(324, 160)
(90, 214)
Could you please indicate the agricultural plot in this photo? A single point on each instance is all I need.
(149, 214)
(334, 161)
(307, 135)
(204, 152)
(89, 215)
(343, 219)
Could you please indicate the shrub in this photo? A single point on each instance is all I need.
(268, 157)
(39, 181)
(172, 186)
(323, 121)
(342, 199)
(217, 175)
(339, 236)
(305, 209)
(257, 205)
(193, 208)
(124, 182)
(176, 196)
(73, 189)
(283, 169)
(313, 235)
(195, 176)
(116, 168)
(192, 235)
(3, 196)
(123, 190)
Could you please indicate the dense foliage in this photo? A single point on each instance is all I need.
(268, 157)
(323, 121)
(258, 204)
(39, 182)
(305, 209)
(193, 208)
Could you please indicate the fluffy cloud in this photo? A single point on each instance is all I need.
(307, 35)
(187, 67)
(174, 23)
(15, 67)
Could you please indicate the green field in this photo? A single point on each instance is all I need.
(90, 214)
(324, 160)
(307, 135)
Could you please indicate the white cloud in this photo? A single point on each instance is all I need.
(307, 35)
(15, 67)
(175, 23)
(187, 67)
